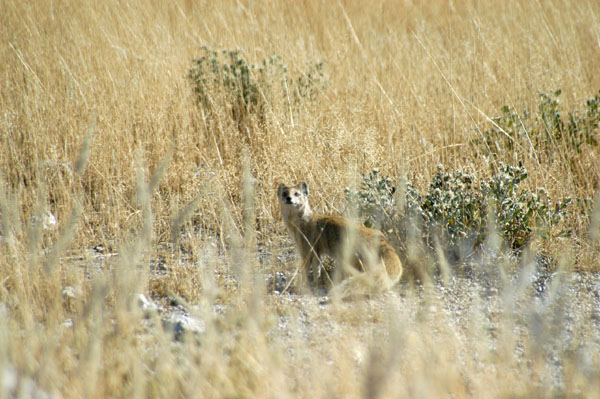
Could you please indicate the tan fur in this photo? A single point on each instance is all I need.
(363, 259)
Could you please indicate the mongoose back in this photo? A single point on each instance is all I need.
(365, 262)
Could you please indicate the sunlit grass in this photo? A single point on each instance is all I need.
(115, 181)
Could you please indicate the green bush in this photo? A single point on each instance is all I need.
(247, 87)
(543, 128)
(378, 201)
(457, 206)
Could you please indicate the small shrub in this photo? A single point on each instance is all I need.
(456, 205)
(518, 212)
(246, 86)
(229, 74)
(375, 199)
(453, 205)
(543, 128)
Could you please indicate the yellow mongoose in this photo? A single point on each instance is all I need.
(364, 260)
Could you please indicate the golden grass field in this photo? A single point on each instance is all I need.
(157, 198)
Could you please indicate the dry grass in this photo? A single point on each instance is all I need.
(99, 126)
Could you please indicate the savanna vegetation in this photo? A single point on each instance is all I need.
(141, 249)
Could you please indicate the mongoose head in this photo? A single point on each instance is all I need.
(293, 195)
(294, 202)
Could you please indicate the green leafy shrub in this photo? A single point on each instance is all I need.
(456, 205)
(246, 86)
(229, 74)
(518, 212)
(543, 128)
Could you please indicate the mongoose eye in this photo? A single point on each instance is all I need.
(284, 194)
(297, 194)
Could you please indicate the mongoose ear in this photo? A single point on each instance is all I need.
(280, 189)
(305, 188)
